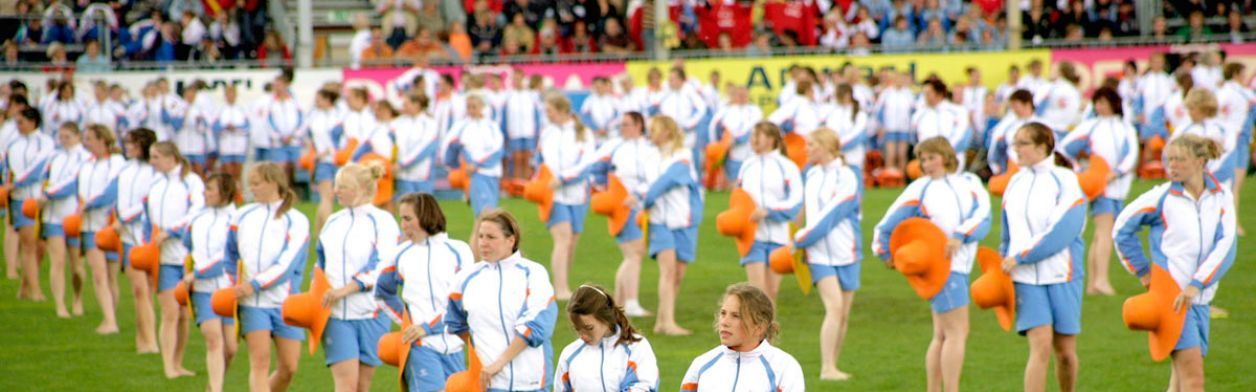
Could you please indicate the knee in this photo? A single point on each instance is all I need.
(213, 343)
(286, 370)
(1066, 358)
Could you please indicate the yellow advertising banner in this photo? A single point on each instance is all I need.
(764, 76)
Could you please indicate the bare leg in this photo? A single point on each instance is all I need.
(78, 276)
(848, 299)
(933, 356)
(1066, 361)
(955, 337)
(1100, 256)
(325, 197)
(215, 357)
(345, 375)
(1188, 369)
(56, 274)
(145, 318)
(30, 265)
(12, 241)
(100, 282)
(169, 332)
(830, 329)
(559, 262)
(670, 273)
(365, 374)
(1039, 358)
(628, 276)
(259, 360)
(289, 352)
(1239, 174)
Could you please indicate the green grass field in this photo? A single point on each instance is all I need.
(889, 330)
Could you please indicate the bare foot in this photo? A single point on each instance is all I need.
(145, 350)
(11, 275)
(183, 372)
(1239, 230)
(77, 307)
(107, 329)
(1217, 312)
(62, 313)
(1106, 290)
(834, 375)
(39, 298)
(1092, 290)
(672, 330)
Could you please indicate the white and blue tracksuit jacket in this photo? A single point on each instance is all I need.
(1192, 238)
(1044, 214)
(191, 126)
(766, 368)
(417, 142)
(1154, 88)
(480, 142)
(350, 247)
(523, 117)
(570, 160)
(685, 106)
(775, 184)
(956, 203)
(378, 141)
(498, 302)
(417, 282)
(134, 182)
(231, 128)
(799, 115)
(852, 129)
(62, 178)
(27, 161)
(1112, 139)
(108, 113)
(1223, 166)
(325, 129)
(60, 112)
(633, 161)
(737, 121)
(354, 125)
(832, 235)
(1001, 154)
(894, 109)
(271, 248)
(207, 239)
(608, 366)
(947, 120)
(1059, 103)
(98, 190)
(674, 196)
(276, 120)
(172, 201)
(599, 112)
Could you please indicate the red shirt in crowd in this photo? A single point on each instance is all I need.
(799, 16)
(725, 16)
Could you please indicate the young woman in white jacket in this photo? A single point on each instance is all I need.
(631, 158)
(682, 102)
(958, 204)
(269, 238)
(60, 199)
(939, 117)
(851, 124)
(231, 127)
(894, 114)
(801, 114)
(1192, 234)
(325, 131)
(478, 140)
(98, 189)
(1110, 137)
(775, 184)
(350, 246)
(1000, 155)
(191, 127)
(832, 240)
(206, 240)
(1059, 102)
(1044, 213)
(674, 201)
(63, 108)
(418, 139)
(514, 345)
(177, 195)
(735, 120)
(609, 354)
(134, 182)
(568, 149)
(27, 162)
(745, 359)
(430, 261)
(1201, 106)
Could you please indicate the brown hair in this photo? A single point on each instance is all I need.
(1042, 135)
(844, 90)
(226, 187)
(504, 220)
(1068, 71)
(1232, 70)
(592, 300)
(939, 145)
(560, 103)
(170, 149)
(421, 100)
(427, 210)
(757, 310)
(364, 176)
(767, 128)
(144, 138)
(1198, 146)
(102, 132)
(274, 174)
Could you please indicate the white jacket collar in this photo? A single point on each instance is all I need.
(752, 354)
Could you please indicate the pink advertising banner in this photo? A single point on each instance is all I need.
(1096, 63)
(379, 81)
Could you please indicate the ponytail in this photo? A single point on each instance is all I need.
(274, 174)
(561, 104)
(169, 148)
(592, 300)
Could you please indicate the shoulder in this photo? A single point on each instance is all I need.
(703, 360)
(781, 359)
(569, 351)
(533, 268)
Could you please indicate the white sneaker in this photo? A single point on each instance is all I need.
(633, 309)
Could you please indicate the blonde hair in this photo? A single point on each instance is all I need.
(939, 145)
(674, 138)
(169, 149)
(826, 137)
(757, 310)
(102, 132)
(362, 176)
(1202, 99)
(560, 103)
(272, 173)
(1197, 146)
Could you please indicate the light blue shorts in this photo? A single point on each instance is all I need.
(897, 136)
(1058, 305)
(953, 295)
(485, 192)
(683, 241)
(324, 171)
(568, 213)
(231, 158)
(1106, 205)
(168, 277)
(427, 370)
(197, 159)
(1195, 332)
(268, 319)
(88, 242)
(202, 306)
(279, 155)
(731, 169)
(345, 340)
(407, 187)
(15, 215)
(50, 230)
(847, 275)
(521, 144)
(759, 252)
(631, 231)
